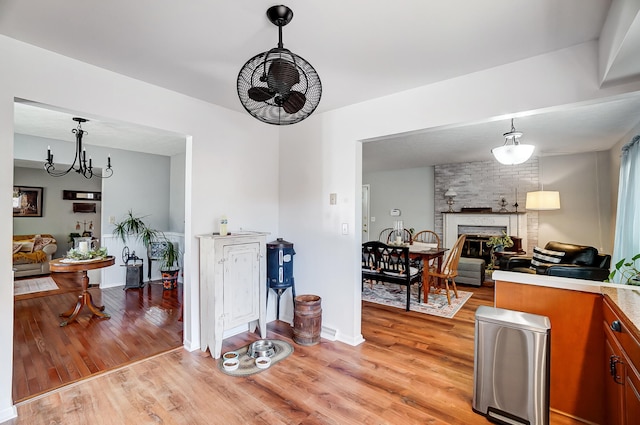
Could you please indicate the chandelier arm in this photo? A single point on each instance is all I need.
(80, 158)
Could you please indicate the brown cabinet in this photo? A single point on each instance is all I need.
(622, 382)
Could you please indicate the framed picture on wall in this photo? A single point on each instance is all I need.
(27, 201)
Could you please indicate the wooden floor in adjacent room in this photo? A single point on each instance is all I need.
(412, 369)
(143, 322)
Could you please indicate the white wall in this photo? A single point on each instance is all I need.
(585, 213)
(232, 160)
(58, 218)
(176, 199)
(409, 190)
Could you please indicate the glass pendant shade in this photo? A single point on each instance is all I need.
(513, 154)
(543, 200)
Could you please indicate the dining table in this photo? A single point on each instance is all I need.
(65, 265)
(427, 253)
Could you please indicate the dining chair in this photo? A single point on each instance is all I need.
(427, 237)
(384, 234)
(406, 236)
(449, 270)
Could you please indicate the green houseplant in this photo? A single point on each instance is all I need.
(168, 255)
(498, 244)
(628, 271)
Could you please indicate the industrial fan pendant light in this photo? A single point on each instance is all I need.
(279, 87)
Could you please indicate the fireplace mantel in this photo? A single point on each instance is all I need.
(514, 222)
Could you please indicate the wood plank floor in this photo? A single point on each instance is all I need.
(412, 369)
(143, 322)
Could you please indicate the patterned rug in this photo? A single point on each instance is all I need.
(396, 296)
(247, 363)
(36, 284)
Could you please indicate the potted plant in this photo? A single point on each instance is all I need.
(628, 271)
(167, 254)
(498, 244)
(169, 265)
(135, 226)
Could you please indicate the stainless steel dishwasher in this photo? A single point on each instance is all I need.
(511, 366)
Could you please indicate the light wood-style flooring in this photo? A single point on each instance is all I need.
(412, 369)
(143, 322)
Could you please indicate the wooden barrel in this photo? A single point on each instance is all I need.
(307, 319)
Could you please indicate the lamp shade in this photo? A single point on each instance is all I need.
(450, 193)
(512, 154)
(543, 200)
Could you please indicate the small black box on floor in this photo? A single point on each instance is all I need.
(134, 276)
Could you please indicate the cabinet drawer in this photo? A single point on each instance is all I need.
(626, 339)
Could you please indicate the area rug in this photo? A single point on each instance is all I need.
(247, 364)
(396, 296)
(36, 284)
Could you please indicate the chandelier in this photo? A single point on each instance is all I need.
(279, 87)
(84, 168)
(512, 152)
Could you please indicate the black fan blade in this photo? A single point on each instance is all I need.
(260, 94)
(294, 102)
(282, 76)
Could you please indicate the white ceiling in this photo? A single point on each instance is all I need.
(362, 49)
(585, 128)
(45, 121)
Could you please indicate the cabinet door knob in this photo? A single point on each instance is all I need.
(616, 326)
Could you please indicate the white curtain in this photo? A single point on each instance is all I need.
(627, 238)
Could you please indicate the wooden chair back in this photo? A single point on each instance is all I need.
(406, 236)
(384, 234)
(427, 236)
(450, 266)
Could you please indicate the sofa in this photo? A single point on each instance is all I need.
(564, 260)
(32, 253)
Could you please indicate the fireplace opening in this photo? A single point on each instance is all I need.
(475, 245)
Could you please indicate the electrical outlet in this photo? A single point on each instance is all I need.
(333, 198)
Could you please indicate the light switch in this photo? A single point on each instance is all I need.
(345, 228)
(333, 198)
(373, 219)
(112, 219)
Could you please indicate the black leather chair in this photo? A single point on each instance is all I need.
(578, 262)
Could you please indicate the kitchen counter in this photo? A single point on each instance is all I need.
(575, 308)
(625, 297)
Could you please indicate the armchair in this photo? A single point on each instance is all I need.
(565, 260)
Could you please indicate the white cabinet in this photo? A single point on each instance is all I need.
(233, 286)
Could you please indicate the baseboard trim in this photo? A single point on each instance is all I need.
(8, 413)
